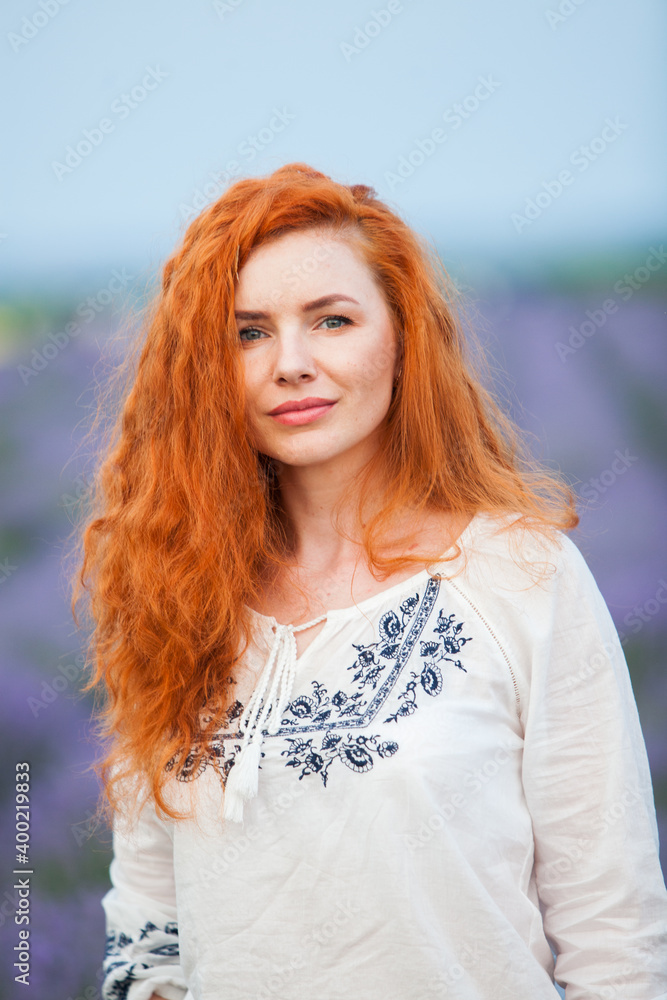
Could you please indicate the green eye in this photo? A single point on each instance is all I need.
(251, 333)
(343, 320)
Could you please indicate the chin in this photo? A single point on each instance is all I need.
(302, 461)
(305, 455)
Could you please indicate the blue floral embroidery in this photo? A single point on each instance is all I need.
(213, 754)
(119, 987)
(318, 711)
(319, 707)
(377, 668)
(356, 752)
(430, 676)
(391, 630)
(120, 973)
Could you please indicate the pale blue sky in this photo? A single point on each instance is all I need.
(219, 75)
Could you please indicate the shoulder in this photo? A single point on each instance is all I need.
(519, 554)
(524, 579)
(534, 597)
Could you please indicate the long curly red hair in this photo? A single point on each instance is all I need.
(185, 517)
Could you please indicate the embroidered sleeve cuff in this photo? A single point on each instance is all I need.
(140, 963)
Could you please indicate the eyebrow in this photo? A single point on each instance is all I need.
(325, 300)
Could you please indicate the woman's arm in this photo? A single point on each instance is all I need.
(142, 960)
(588, 788)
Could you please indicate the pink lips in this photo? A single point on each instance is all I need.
(302, 411)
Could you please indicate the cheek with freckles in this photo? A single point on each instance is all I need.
(373, 367)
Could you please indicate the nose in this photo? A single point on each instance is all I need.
(294, 361)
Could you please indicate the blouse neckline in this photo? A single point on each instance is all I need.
(390, 592)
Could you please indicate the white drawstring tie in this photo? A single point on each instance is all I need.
(243, 777)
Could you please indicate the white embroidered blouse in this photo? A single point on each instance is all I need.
(451, 789)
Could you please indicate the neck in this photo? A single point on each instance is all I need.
(311, 495)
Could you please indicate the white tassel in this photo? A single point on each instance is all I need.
(242, 781)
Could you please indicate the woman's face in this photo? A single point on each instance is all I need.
(314, 330)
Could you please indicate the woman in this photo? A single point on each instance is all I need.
(370, 729)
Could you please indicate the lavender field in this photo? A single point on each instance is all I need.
(586, 379)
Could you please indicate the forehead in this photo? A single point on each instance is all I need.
(306, 243)
(303, 264)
